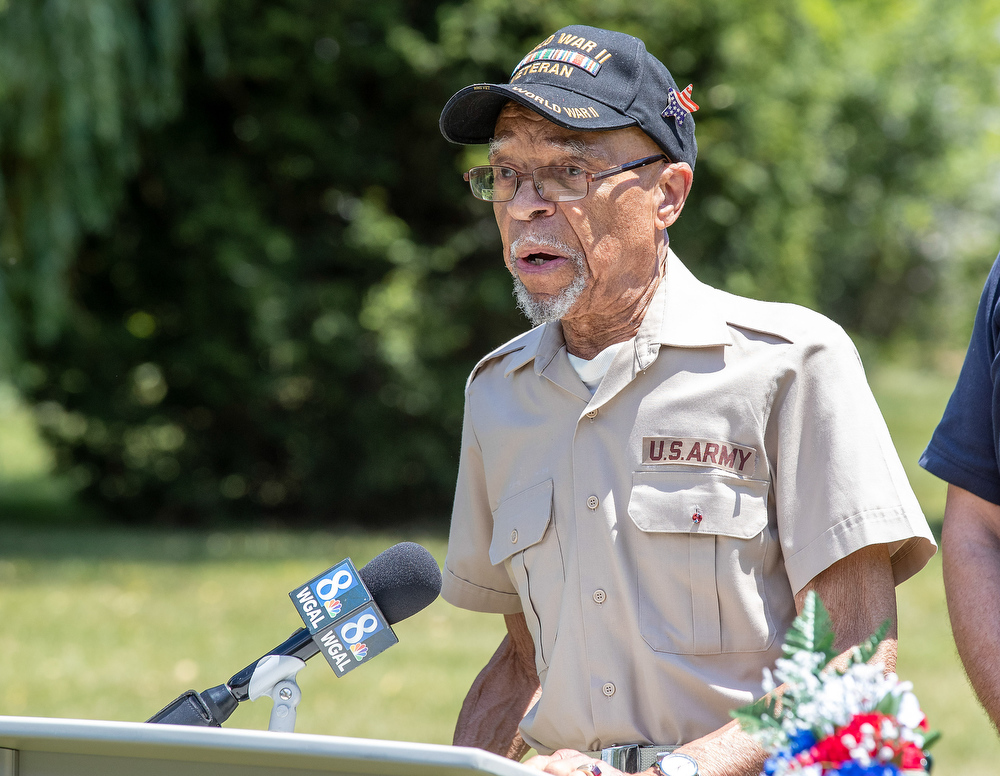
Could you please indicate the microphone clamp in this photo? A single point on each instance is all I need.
(275, 678)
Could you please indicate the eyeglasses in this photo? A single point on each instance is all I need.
(553, 184)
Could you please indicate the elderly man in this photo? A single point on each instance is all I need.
(964, 452)
(652, 478)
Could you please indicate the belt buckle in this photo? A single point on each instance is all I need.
(625, 757)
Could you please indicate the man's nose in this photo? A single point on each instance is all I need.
(527, 204)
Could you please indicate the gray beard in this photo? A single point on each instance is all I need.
(549, 309)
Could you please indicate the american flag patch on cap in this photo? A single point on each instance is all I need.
(680, 104)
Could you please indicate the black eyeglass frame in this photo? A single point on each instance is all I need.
(590, 176)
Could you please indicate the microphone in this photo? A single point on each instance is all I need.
(402, 580)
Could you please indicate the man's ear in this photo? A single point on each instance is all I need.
(675, 184)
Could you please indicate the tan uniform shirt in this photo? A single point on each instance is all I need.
(654, 533)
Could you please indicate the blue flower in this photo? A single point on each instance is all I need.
(801, 740)
(875, 769)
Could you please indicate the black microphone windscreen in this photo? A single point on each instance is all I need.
(403, 580)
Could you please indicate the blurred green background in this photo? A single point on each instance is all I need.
(242, 284)
(241, 278)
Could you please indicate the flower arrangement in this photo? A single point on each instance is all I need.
(856, 721)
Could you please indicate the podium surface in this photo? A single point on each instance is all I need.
(33, 746)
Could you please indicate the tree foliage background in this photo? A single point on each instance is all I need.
(240, 275)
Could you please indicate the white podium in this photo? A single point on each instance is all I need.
(33, 746)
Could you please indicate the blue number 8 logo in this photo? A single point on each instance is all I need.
(366, 623)
(329, 587)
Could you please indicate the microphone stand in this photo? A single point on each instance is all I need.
(275, 678)
(272, 675)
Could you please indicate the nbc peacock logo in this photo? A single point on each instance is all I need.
(333, 607)
(359, 650)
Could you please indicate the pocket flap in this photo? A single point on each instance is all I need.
(520, 521)
(667, 502)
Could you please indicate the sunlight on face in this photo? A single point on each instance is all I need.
(590, 257)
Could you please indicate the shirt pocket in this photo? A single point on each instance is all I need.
(703, 558)
(528, 546)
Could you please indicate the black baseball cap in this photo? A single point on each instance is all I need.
(583, 78)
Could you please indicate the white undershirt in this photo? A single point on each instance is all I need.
(593, 371)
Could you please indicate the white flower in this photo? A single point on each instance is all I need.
(861, 756)
(909, 713)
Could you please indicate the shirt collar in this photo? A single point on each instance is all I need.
(693, 315)
(684, 313)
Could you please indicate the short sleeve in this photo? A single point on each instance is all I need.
(838, 482)
(963, 448)
(471, 581)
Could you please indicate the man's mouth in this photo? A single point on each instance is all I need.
(541, 255)
(538, 259)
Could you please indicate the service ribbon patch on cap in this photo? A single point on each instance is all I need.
(680, 104)
(575, 58)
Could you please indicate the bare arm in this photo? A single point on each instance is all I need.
(970, 544)
(860, 594)
(502, 694)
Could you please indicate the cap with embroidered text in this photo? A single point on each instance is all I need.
(588, 79)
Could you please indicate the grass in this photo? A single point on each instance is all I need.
(912, 400)
(112, 624)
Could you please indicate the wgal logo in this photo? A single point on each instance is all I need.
(353, 632)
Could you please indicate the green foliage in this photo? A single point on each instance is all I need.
(760, 715)
(79, 81)
(867, 649)
(808, 651)
(268, 302)
(811, 631)
(282, 319)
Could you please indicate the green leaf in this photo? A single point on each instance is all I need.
(811, 630)
(889, 705)
(866, 650)
(759, 715)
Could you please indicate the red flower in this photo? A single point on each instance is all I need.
(854, 727)
(912, 757)
(830, 750)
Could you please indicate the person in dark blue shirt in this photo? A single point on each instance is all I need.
(963, 452)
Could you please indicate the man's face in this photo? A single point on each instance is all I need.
(590, 257)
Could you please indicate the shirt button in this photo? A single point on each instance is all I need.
(600, 596)
(608, 689)
(593, 501)
(592, 414)
(513, 536)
